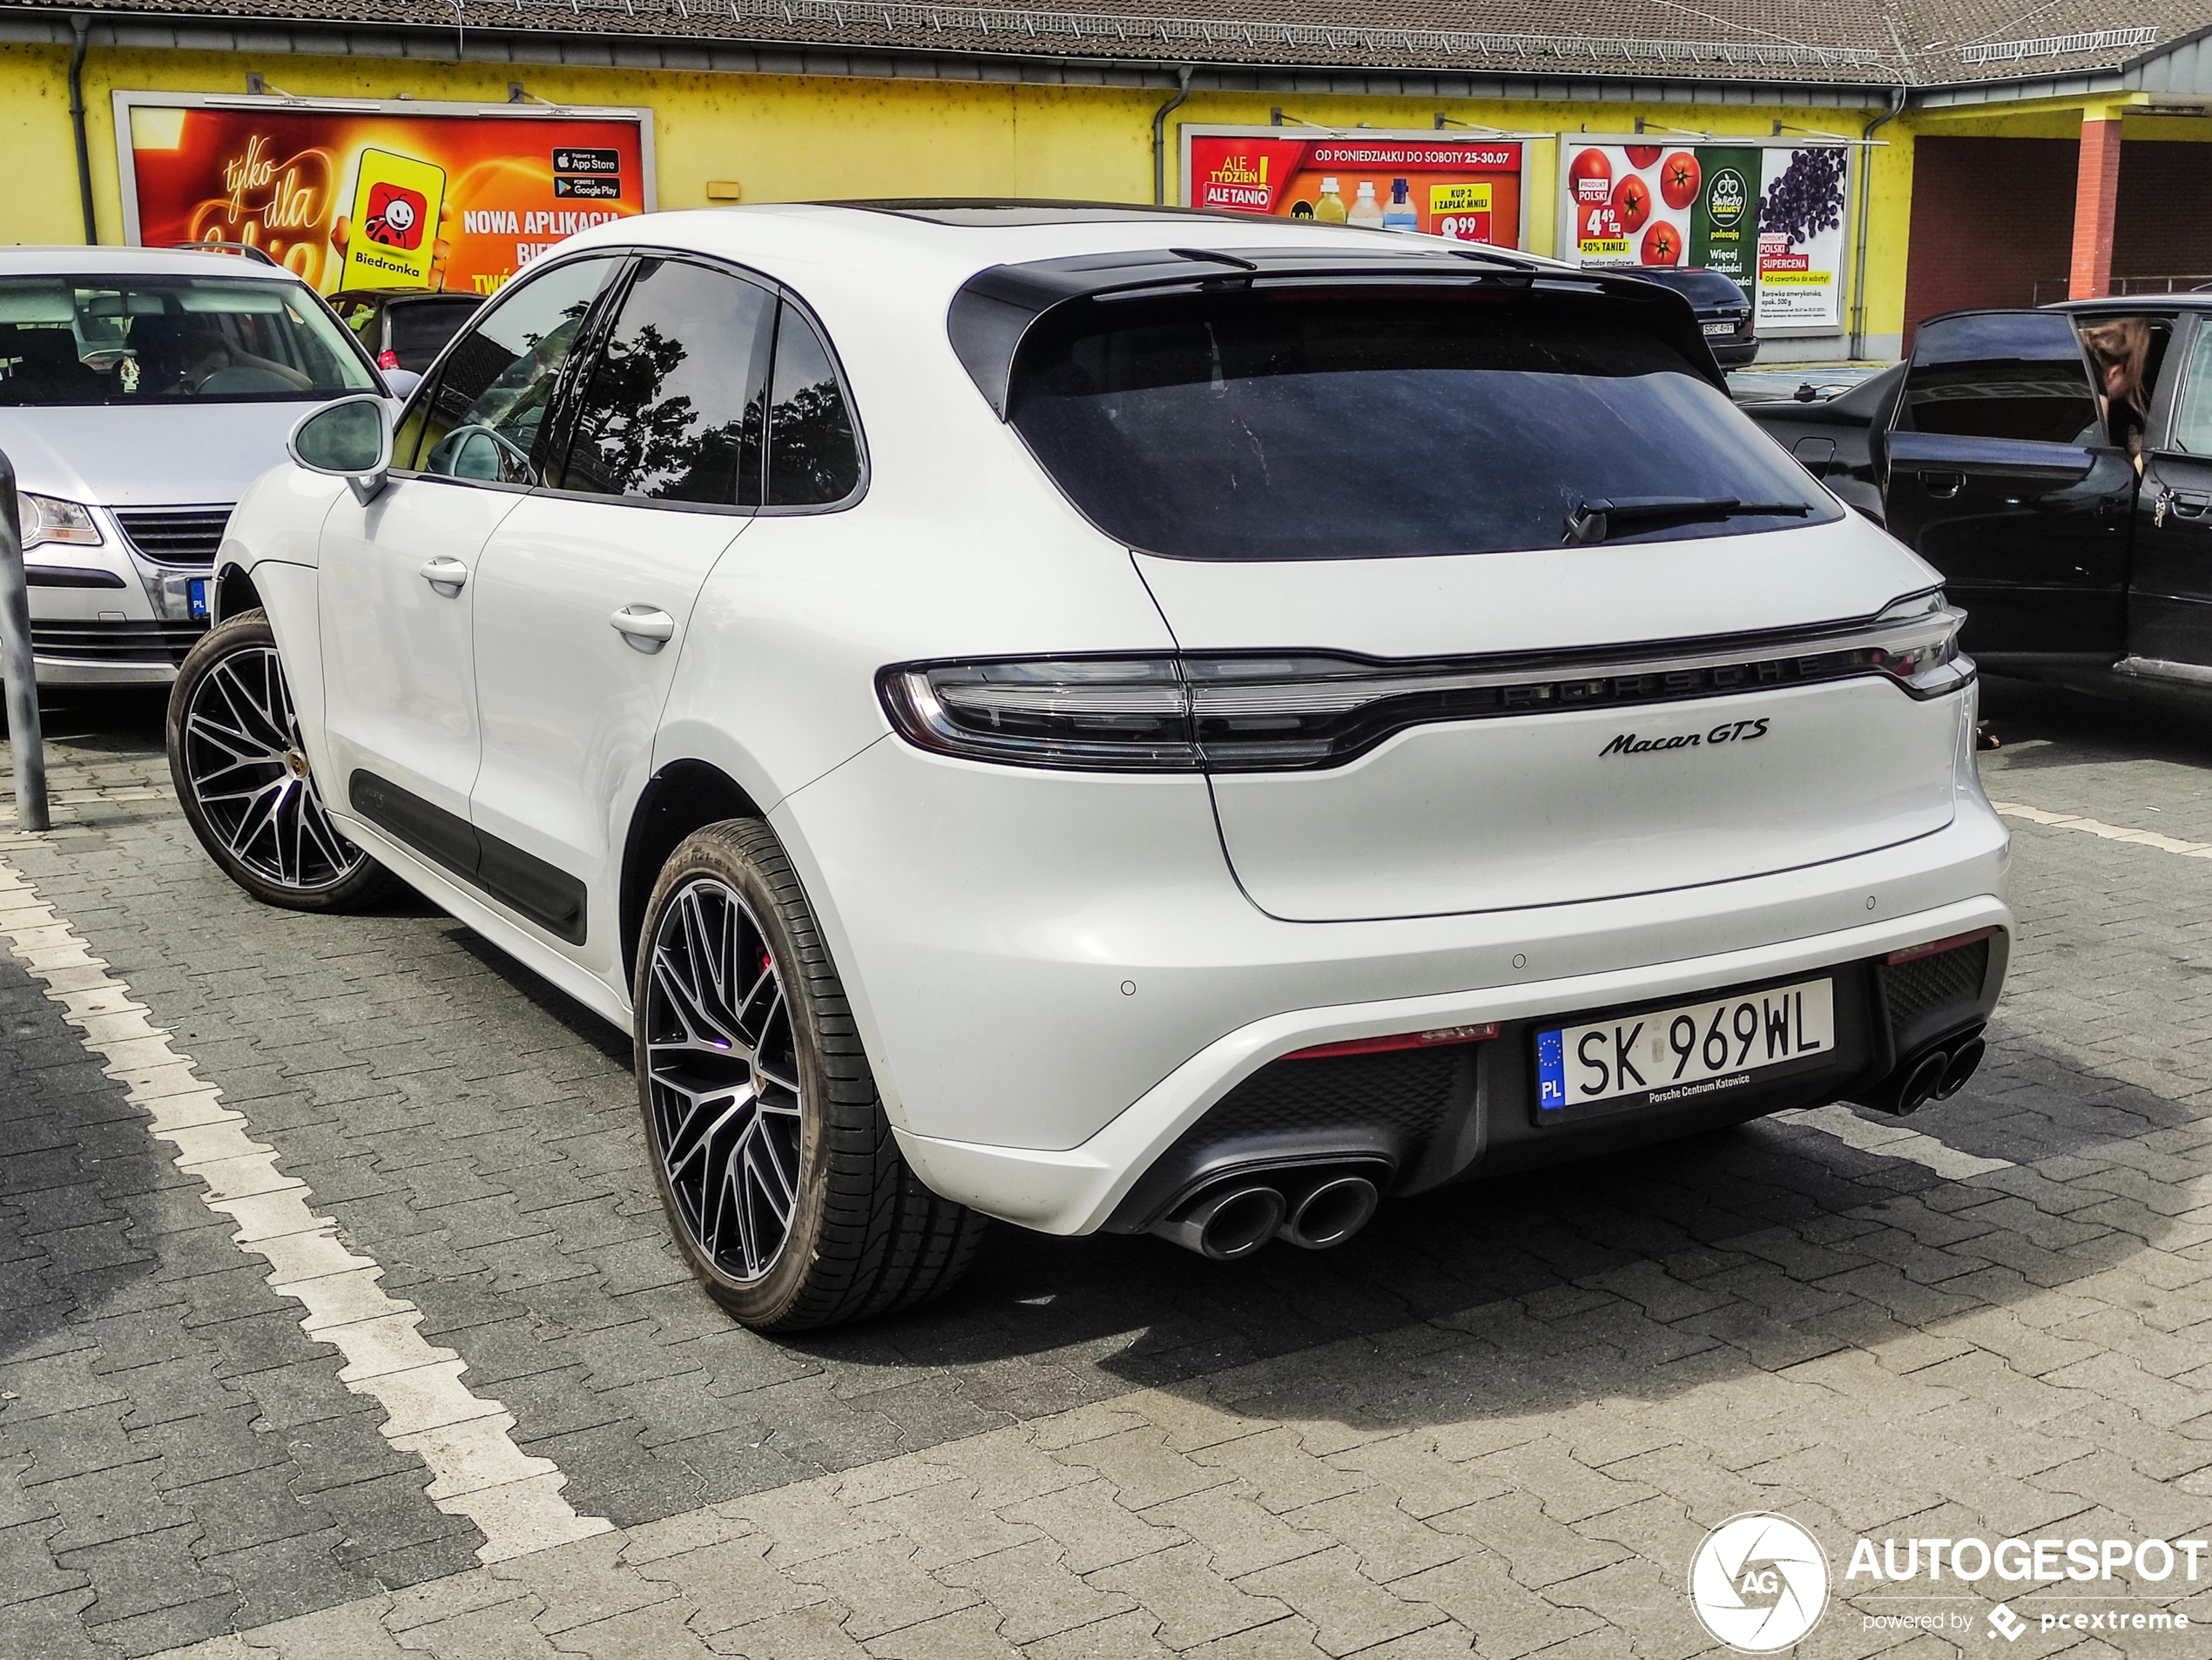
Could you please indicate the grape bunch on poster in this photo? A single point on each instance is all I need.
(1801, 236)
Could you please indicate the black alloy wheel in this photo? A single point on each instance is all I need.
(783, 1183)
(243, 779)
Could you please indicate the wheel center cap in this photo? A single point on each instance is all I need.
(295, 763)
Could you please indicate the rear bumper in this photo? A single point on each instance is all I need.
(1104, 1180)
(1735, 354)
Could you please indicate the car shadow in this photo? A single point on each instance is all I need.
(1741, 1225)
(2094, 723)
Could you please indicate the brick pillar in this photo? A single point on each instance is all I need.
(2096, 203)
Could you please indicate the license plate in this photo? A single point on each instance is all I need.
(1720, 328)
(1684, 1053)
(196, 596)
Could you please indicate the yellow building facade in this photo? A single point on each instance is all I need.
(777, 137)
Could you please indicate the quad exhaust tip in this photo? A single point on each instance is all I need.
(1332, 1213)
(1231, 1221)
(1935, 1075)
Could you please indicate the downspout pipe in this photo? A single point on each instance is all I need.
(1866, 204)
(1160, 135)
(81, 26)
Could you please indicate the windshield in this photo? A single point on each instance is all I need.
(1298, 424)
(86, 339)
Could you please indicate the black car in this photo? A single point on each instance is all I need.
(1723, 310)
(403, 329)
(2062, 486)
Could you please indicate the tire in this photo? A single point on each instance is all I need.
(783, 1183)
(243, 781)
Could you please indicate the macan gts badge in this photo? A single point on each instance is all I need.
(1110, 721)
(1729, 731)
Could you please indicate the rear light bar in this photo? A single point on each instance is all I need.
(1935, 948)
(1398, 1039)
(1289, 711)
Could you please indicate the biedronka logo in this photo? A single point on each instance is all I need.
(1759, 1583)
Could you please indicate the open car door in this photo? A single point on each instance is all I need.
(1996, 470)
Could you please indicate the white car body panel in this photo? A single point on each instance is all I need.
(1485, 815)
(569, 708)
(1005, 911)
(1055, 972)
(399, 656)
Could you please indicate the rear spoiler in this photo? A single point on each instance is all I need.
(995, 309)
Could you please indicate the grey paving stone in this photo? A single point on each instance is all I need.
(1683, 1316)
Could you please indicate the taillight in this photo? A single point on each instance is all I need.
(387, 359)
(1919, 646)
(1254, 712)
(1115, 714)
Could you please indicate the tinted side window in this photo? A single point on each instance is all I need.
(2000, 375)
(813, 456)
(674, 410)
(2192, 430)
(480, 420)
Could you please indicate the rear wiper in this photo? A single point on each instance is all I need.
(1595, 521)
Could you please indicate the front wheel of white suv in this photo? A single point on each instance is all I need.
(782, 1180)
(242, 777)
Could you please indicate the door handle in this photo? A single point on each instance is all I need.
(1943, 486)
(447, 577)
(2182, 504)
(643, 627)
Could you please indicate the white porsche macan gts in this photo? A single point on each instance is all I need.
(1110, 717)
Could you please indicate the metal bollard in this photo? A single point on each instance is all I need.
(26, 741)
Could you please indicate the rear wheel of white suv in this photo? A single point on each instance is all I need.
(774, 1156)
(243, 780)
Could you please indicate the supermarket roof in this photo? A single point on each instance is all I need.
(1919, 45)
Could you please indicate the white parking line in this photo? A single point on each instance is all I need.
(2109, 832)
(1892, 1141)
(464, 1438)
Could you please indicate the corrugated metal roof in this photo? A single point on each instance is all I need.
(1917, 43)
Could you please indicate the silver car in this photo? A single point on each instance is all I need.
(141, 390)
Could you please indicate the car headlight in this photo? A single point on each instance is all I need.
(47, 520)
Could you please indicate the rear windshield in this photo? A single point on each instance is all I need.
(421, 328)
(1708, 289)
(1344, 424)
(170, 340)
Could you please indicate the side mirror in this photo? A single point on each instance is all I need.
(350, 439)
(402, 382)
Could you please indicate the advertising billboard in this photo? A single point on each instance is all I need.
(1465, 189)
(353, 195)
(1770, 216)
